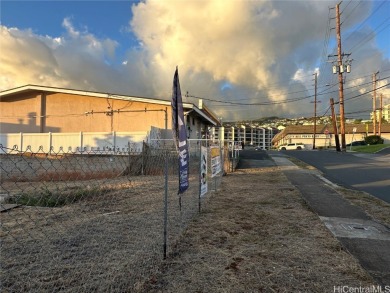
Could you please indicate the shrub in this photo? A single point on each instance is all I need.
(373, 139)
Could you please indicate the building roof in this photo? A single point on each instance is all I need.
(321, 129)
(363, 128)
(211, 114)
(38, 88)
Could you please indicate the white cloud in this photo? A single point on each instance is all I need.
(67, 24)
(265, 50)
(306, 77)
(25, 58)
(385, 91)
(72, 60)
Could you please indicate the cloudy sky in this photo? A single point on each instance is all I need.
(246, 59)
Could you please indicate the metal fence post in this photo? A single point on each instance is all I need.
(143, 158)
(114, 141)
(81, 141)
(50, 142)
(200, 178)
(21, 141)
(165, 204)
(129, 157)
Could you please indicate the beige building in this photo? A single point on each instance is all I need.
(40, 109)
(325, 135)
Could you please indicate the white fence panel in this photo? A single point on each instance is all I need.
(135, 138)
(65, 141)
(74, 142)
(11, 140)
(36, 141)
(98, 141)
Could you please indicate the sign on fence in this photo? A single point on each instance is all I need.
(215, 161)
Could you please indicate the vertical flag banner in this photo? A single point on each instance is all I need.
(203, 171)
(180, 133)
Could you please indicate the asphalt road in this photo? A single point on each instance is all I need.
(365, 172)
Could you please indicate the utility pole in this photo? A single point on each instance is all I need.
(339, 69)
(315, 111)
(341, 82)
(334, 122)
(374, 102)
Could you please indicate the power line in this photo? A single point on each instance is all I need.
(370, 91)
(371, 35)
(326, 111)
(365, 20)
(281, 101)
(353, 9)
(360, 111)
(346, 6)
(326, 44)
(287, 100)
(366, 38)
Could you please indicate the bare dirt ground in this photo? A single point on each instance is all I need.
(257, 235)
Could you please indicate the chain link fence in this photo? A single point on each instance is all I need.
(94, 221)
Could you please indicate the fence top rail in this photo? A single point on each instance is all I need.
(190, 139)
(75, 133)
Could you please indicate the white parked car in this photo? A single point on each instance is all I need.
(291, 146)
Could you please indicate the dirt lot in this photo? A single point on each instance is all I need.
(257, 235)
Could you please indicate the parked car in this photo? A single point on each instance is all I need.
(355, 143)
(291, 146)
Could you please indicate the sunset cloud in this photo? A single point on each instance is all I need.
(264, 50)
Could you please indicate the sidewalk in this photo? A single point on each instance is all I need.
(258, 234)
(364, 238)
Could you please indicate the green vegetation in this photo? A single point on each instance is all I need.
(373, 139)
(57, 198)
(369, 148)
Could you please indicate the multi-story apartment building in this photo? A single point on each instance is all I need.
(249, 135)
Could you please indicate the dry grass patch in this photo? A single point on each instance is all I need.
(376, 208)
(301, 164)
(108, 241)
(257, 236)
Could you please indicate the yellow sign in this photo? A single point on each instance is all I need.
(214, 152)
